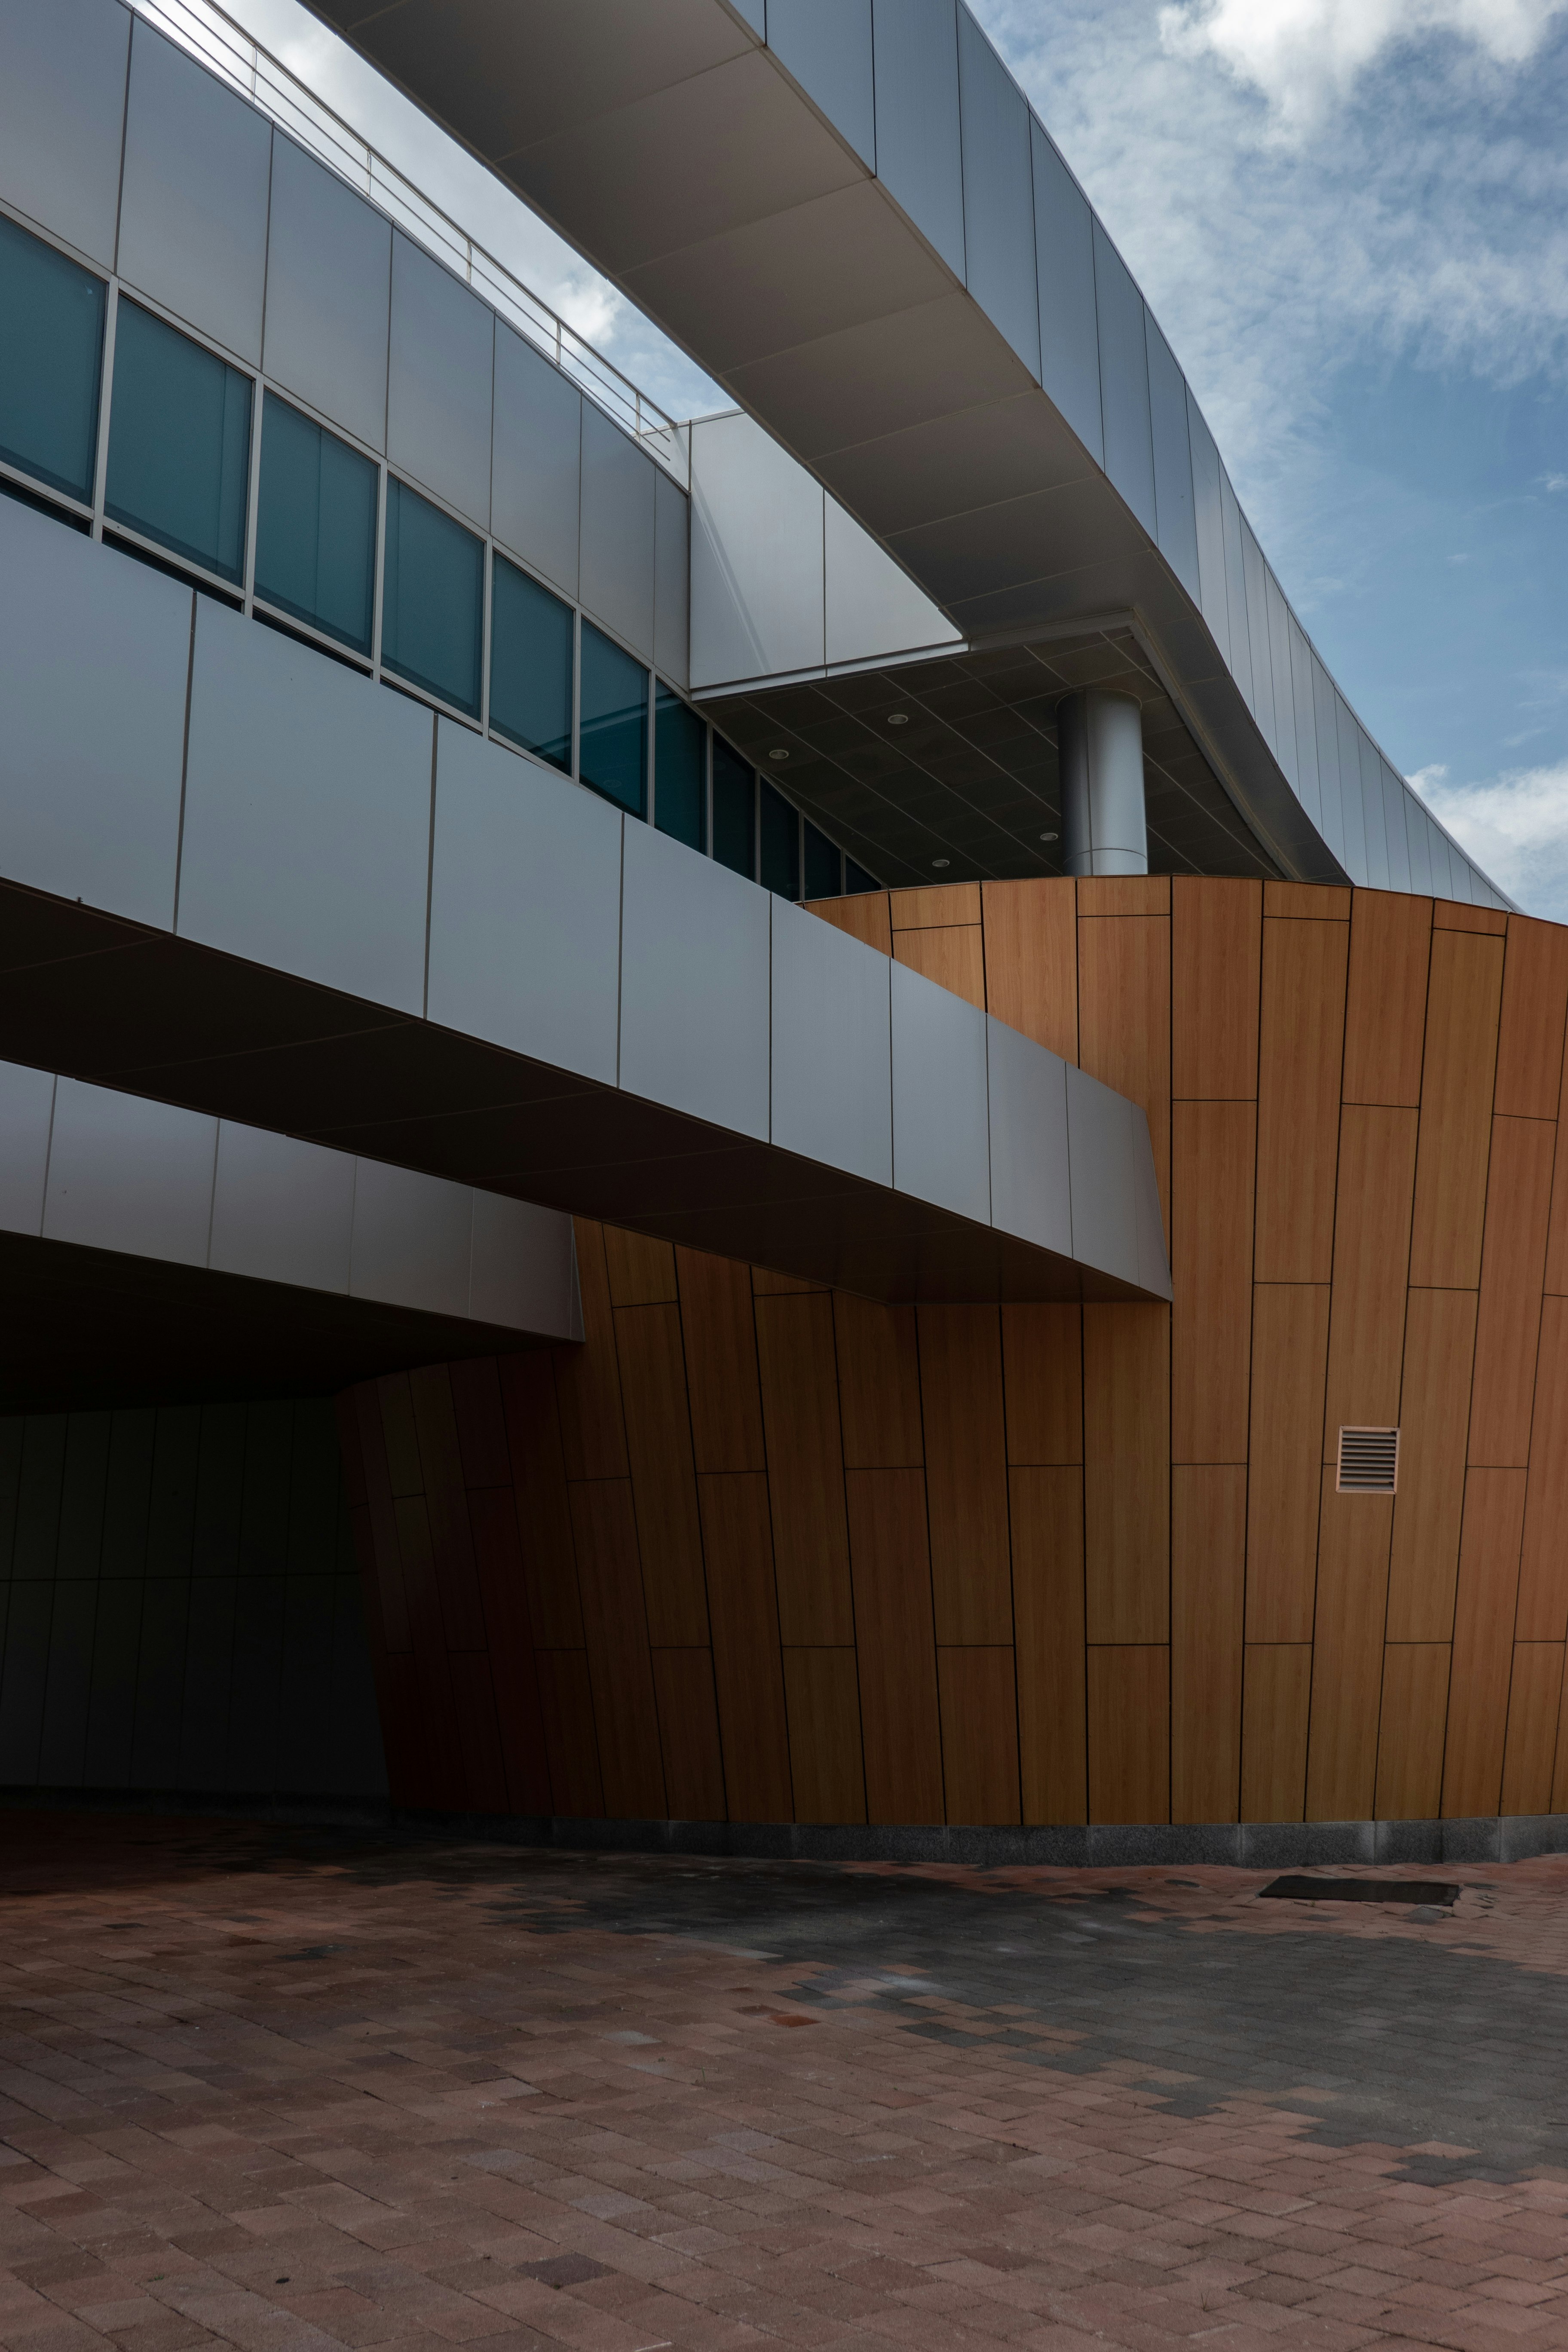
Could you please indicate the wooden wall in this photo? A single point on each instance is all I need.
(767, 1551)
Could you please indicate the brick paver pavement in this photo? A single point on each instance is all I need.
(277, 2088)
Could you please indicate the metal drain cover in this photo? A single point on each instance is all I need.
(1362, 1890)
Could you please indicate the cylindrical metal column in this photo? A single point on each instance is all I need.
(1099, 755)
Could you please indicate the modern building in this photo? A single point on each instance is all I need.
(769, 1130)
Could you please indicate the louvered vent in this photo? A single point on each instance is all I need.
(1369, 1461)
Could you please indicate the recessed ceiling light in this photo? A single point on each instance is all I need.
(1050, 837)
(942, 861)
(897, 718)
(778, 752)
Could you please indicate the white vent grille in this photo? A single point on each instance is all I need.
(1369, 1461)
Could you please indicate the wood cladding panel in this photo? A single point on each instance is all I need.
(1448, 915)
(1129, 1734)
(1124, 1019)
(966, 1473)
(499, 1557)
(822, 1688)
(1543, 1567)
(641, 1271)
(1385, 1009)
(587, 1384)
(805, 1470)
(1277, 1693)
(1208, 1578)
(1372, 1250)
(1212, 1157)
(1315, 900)
(864, 916)
(937, 906)
(1483, 1642)
(1124, 894)
(748, 1664)
(1347, 1652)
(1529, 1748)
(481, 1423)
(1410, 1734)
(1031, 959)
(1513, 1262)
(1556, 1282)
(721, 1344)
(1042, 1371)
(1216, 944)
(664, 1483)
(1300, 1052)
(1290, 1376)
(1048, 1602)
(895, 1645)
(689, 1735)
(954, 959)
(484, 1767)
(979, 1734)
(879, 1384)
(1127, 1474)
(570, 1742)
(1433, 1420)
(1534, 1018)
(543, 1513)
(620, 1669)
(446, 1502)
(1457, 1081)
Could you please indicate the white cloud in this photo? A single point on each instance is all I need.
(1515, 827)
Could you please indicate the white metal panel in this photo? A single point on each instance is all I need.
(62, 109)
(756, 556)
(832, 1071)
(130, 1175)
(872, 607)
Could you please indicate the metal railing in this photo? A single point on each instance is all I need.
(203, 28)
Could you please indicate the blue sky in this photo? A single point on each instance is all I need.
(1350, 217)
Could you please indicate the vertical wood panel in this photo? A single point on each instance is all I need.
(1410, 1735)
(1385, 1009)
(641, 1271)
(1129, 1734)
(1483, 1642)
(879, 1384)
(1300, 1056)
(1276, 1699)
(823, 1693)
(392, 1600)
(481, 1422)
(1434, 1416)
(1208, 1575)
(1313, 901)
(748, 1667)
(979, 1734)
(1290, 1375)
(766, 1284)
(1544, 1568)
(806, 1470)
(499, 1557)
(1047, 1602)
(399, 1435)
(1534, 1016)
(689, 1735)
(446, 1501)
(933, 906)
(479, 1732)
(954, 959)
(1124, 1019)
(1529, 1750)
(1031, 959)
(895, 1645)
(620, 1667)
(1212, 1156)
(1371, 1251)
(1448, 915)
(1216, 945)
(544, 1515)
(664, 1484)
(1127, 1472)
(570, 1741)
(1042, 1373)
(1513, 1261)
(721, 1344)
(445, 1785)
(1347, 1648)
(1124, 894)
(864, 916)
(1557, 1230)
(966, 1473)
(586, 1381)
(1457, 1081)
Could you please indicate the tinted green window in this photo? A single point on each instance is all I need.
(734, 811)
(613, 748)
(679, 771)
(857, 881)
(530, 665)
(315, 526)
(781, 844)
(51, 353)
(433, 593)
(822, 880)
(179, 444)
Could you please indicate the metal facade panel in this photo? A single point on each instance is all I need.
(832, 1082)
(1394, 830)
(1064, 264)
(328, 281)
(538, 459)
(756, 556)
(62, 112)
(412, 1239)
(282, 1210)
(671, 580)
(999, 194)
(1374, 816)
(439, 383)
(94, 653)
(130, 1175)
(26, 1106)
(1124, 381)
(1031, 1184)
(192, 208)
(1104, 1194)
(1306, 723)
(941, 1149)
(1257, 572)
(618, 532)
(1418, 840)
(826, 45)
(920, 154)
(1353, 815)
(1208, 519)
(694, 984)
(1240, 655)
(524, 906)
(524, 1273)
(1332, 823)
(1280, 675)
(872, 606)
(1173, 506)
(307, 814)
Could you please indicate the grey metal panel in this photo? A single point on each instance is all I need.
(130, 1175)
(538, 464)
(412, 1239)
(439, 382)
(1239, 655)
(872, 606)
(1124, 381)
(756, 555)
(942, 1146)
(307, 826)
(1306, 723)
(1174, 505)
(524, 906)
(524, 1268)
(826, 45)
(1257, 572)
(1418, 841)
(329, 290)
(998, 193)
(755, 13)
(1104, 1195)
(1394, 828)
(1352, 815)
(27, 1105)
(1374, 814)
(1153, 1265)
(1031, 1184)
(1279, 671)
(1445, 860)
(694, 984)
(1330, 821)
(62, 111)
(282, 1210)
(193, 206)
(671, 580)
(618, 532)
(1208, 520)
(94, 655)
(832, 1075)
(1064, 266)
(920, 156)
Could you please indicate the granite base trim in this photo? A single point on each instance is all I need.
(1245, 1845)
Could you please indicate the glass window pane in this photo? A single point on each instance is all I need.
(679, 766)
(432, 617)
(857, 880)
(51, 353)
(613, 751)
(315, 526)
(530, 665)
(179, 444)
(822, 876)
(781, 844)
(734, 811)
